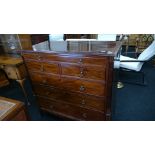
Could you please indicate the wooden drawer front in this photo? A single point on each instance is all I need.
(52, 80)
(65, 58)
(75, 58)
(95, 61)
(49, 92)
(91, 72)
(83, 86)
(51, 67)
(87, 101)
(43, 67)
(70, 84)
(34, 65)
(37, 77)
(70, 111)
(34, 56)
(96, 103)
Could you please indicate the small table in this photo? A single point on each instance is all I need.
(3, 80)
(12, 110)
(15, 70)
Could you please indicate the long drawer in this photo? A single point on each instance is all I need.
(77, 59)
(71, 58)
(84, 71)
(70, 84)
(69, 111)
(88, 101)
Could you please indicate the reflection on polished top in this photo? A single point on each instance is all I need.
(108, 48)
(9, 60)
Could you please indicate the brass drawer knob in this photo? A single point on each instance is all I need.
(44, 81)
(84, 115)
(82, 88)
(42, 68)
(81, 74)
(80, 60)
(83, 102)
(39, 57)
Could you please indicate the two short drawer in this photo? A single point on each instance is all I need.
(76, 70)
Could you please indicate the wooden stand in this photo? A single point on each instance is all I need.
(15, 70)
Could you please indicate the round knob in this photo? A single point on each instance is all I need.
(80, 60)
(81, 74)
(82, 88)
(84, 115)
(39, 57)
(83, 102)
(42, 68)
(44, 81)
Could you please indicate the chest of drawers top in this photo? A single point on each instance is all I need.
(95, 57)
(99, 48)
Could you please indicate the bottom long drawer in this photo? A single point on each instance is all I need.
(69, 111)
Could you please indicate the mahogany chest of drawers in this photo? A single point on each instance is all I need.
(74, 85)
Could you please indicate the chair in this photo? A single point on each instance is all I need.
(106, 37)
(57, 42)
(58, 46)
(43, 46)
(132, 64)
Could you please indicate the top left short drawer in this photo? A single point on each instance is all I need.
(35, 56)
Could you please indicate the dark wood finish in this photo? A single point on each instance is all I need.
(83, 71)
(34, 65)
(70, 111)
(83, 86)
(75, 85)
(87, 101)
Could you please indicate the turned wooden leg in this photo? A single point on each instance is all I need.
(21, 82)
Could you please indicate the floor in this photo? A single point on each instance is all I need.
(131, 103)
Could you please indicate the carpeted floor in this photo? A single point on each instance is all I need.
(131, 103)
